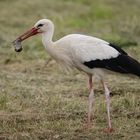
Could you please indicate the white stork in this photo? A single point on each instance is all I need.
(94, 56)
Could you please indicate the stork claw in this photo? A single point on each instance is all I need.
(86, 123)
(108, 130)
(87, 127)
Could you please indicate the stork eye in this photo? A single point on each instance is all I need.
(40, 25)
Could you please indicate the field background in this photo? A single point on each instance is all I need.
(37, 100)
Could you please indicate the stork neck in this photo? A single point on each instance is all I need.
(47, 37)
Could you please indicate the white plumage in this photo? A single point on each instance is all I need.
(82, 47)
(89, 54)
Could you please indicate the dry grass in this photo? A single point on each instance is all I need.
(38, 101)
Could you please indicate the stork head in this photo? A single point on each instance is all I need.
(40, 27)
(43, 25)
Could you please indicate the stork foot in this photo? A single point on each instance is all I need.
(86, 123)
(108, 130)
(87, 126)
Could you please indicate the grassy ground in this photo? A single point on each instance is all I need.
(38, 101)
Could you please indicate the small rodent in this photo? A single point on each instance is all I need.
(17, 45)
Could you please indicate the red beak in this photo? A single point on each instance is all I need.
(33, 31)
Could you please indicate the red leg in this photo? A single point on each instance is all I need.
(91, 100)
(107, 96)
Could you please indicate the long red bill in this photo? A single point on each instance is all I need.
(31, 32)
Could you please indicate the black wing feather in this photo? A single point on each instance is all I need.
(122, 64)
